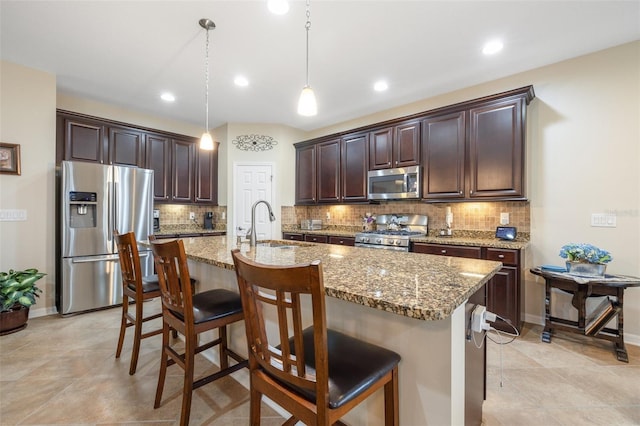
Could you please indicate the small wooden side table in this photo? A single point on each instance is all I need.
(583, 288)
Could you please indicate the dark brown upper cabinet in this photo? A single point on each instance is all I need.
(475, 151)
(159, 160)
(182, 173)
(496, 149)
(328, 181)
(80, 139)
(207, 175)
(332, 171)
(306, 189)
(397, 146)
(443, 146)
(354, 161)
(126, 147)
(183, 154)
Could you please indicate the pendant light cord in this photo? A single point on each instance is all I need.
(206, 89)
(307, 26)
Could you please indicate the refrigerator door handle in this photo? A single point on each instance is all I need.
(88, 259)
(111, 200)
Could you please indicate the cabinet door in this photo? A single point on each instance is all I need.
(328, 171)
(126, 147)
(158, 159)
(406, 144)
(207, 176)
(502, 297)
(443, 145)
(182, 170)
(355, 158)
(84, 141)
(381, 149)
(496, 150)
(306, 175)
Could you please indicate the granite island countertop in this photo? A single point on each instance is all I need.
(414, 285)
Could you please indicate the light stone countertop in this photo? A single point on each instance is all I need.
(415, 285)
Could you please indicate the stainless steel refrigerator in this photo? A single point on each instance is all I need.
(95, 199)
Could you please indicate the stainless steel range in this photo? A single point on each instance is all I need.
(393, 232)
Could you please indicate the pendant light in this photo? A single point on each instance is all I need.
(307, 105)
(206, 142)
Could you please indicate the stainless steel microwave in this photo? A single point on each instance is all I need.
(394, 184)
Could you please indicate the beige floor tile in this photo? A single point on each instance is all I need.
(64, 371)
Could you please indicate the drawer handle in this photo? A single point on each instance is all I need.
(443, 251)
(501, 256)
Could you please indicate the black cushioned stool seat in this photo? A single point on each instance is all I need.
(353, 365)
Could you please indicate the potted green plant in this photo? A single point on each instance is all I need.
(18, 291)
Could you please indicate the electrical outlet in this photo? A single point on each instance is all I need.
(328, 216)
(477, 318)
(192, 215)
(504, 218)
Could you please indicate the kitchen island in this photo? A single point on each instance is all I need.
(414, 304)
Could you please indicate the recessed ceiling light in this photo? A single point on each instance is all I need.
(241, 81)
(380, 86)
(491, 47)
(278, 7)
(167, 97)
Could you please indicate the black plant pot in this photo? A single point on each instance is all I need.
(13, 320)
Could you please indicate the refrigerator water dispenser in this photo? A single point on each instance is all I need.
(82, 209)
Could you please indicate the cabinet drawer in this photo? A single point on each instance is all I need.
(448, 250)
(506, 256)
(316, 238)
(343, 241)
(292, 236)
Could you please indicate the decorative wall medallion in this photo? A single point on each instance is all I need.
(254, 142)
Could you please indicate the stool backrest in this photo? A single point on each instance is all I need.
(129, 261)
(171, 266)
(282, 289)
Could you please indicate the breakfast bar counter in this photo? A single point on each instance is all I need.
(411, 303)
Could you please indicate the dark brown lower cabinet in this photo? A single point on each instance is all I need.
(505, 293)
(316, 238)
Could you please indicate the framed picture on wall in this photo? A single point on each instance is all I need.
(9, 158)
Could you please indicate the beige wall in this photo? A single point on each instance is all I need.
(583, 155)
(28, 118)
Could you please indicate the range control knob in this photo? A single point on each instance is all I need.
(378, 240)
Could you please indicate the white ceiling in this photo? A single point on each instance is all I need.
(127, 52)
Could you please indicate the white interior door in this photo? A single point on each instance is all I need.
(252, 182)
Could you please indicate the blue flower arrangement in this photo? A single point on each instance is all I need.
(585, 253)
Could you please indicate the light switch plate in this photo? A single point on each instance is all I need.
(13, 215)
(603, 220)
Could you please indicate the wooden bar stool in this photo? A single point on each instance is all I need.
(314, 373)
(137, 289)
(191, 314)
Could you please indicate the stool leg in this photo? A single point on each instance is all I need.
(123, 325)
(187, 389)
(391, 401)
(137, 337)
(163, 364)
(224, 358)
(254, 408)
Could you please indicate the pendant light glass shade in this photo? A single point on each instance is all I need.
(206, 142)
(307, 105)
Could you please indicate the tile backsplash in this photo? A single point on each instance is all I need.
(471, 216)
(178, 214)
